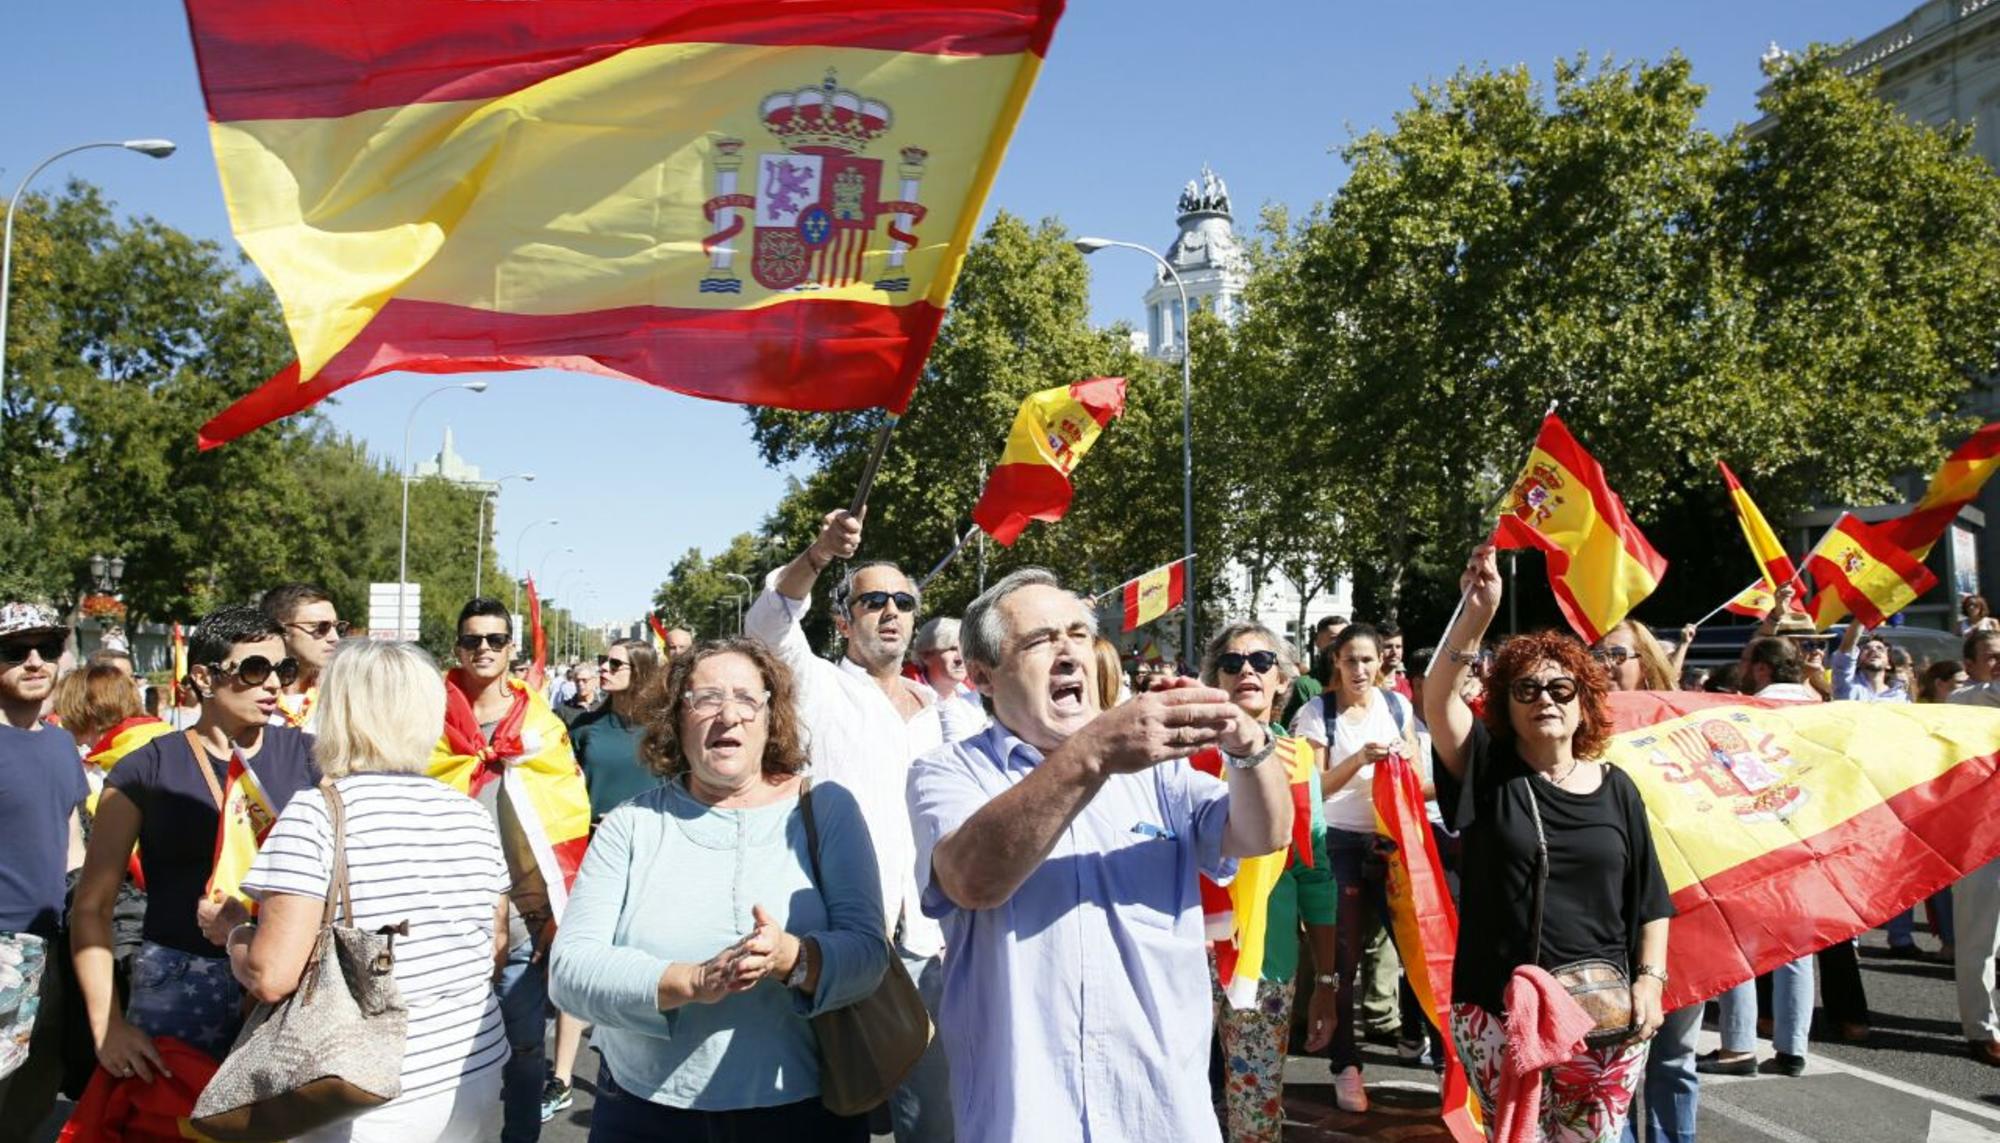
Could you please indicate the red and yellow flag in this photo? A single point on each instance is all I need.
(1051, 432)
(1764, 545)
(1236, 916)
(247, 817)
(538, 640)
(1753, 602)
(115, 744)
(1867, 571)
(1152, 595)
(759, 203)
(658, 632)
(1600, 565)
(179, 645)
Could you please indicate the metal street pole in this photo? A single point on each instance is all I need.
(154, 148)
(748, 589)
(403, 546)
(1091, 246)
(479, 549)
(519, 567)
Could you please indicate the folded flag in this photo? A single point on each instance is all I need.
(1600, 565)
(1051, 432)
(1764, 545)
(248, 813)
(1869, 573)
(544, 808)
(759, 203)
(1149, 596)
(1236, 916)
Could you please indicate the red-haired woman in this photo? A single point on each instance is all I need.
(1529, 769)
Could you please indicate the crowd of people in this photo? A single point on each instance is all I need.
(996, 806)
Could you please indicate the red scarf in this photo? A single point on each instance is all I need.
(461, 728)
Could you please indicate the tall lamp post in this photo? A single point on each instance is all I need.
(479, 551)
(519, 567)
(1089, 246)
(748, 591)
(154, 148)
(403, 546)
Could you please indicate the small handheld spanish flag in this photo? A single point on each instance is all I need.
(1052, 431)
(658, 632)
(1872, 576)
(1771, 557)
(1152, 595)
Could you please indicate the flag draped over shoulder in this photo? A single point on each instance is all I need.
(766, 204)
(1600, 565)
(1867, 571)
(1051, 432)
(1235, 916)
(113, 745)
(544, 808)
(1771, 556)
(1149, 596)
(248, 813)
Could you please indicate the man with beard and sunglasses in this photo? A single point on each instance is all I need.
(313, 628)
(41, 787)
(167, 796)
(866, 722)
(505, 747)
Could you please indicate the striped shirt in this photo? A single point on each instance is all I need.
(421, 852)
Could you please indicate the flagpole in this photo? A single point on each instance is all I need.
(1492, 512)
(873, 466)
(948, 557)
(1123, 584)
(1727, 602)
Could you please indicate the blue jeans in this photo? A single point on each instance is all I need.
(1902, 928)
(524, 1002)
(1791, 1010)
(921, 1107)
(1672, 1087)
(194, 999)
(621, 1117)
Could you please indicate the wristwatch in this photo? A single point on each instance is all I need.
(1255, 756)
(1327, 980)
(797, 978)
(1654, 971)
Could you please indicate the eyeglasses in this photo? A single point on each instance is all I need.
(256, 670)
(49, 649)
(493, 639)
(1232, 662)
(322, 629)
(709, 700)
(613, 666)
(1614, 656)
(1561, 688)
(877, 600)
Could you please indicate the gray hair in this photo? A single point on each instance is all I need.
(935, 635)
(1288, 660)
(981, 632)
(843, 592)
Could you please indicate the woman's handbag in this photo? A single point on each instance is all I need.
(329, 1051)
(869, 1047)
(1600, 987)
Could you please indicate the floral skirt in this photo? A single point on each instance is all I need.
(1584, 1100)
(1253, 1059)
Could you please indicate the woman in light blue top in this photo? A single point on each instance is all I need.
(696, 940)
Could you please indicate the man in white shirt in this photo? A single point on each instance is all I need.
(1975, 900)
(865, 723)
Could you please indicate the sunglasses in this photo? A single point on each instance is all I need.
(1232, 662)
(492, 639)
(256, 670)
(877, 600)
(49, 649)
(322, 629)
(613, 666)
(1616, 656)
(1561, 688)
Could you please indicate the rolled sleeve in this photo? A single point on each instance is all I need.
(590, 975)
(854, 948)
(943, 795)
(775, 619)
(1310, 721)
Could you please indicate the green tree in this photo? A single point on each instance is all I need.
(699, 594)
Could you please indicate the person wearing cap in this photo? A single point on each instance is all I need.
(38, 817)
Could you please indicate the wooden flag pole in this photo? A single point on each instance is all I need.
(948, 557)
(873, 466)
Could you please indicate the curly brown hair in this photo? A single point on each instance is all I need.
(660, 711)
(1520, 656)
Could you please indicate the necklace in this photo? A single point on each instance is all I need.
(1558, 782)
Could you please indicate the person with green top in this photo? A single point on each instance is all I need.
(1256, 667)
(607, 739)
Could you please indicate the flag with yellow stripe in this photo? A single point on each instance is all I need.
(1764, 544)
(759, 203)
(1051, 432)
(247, 817)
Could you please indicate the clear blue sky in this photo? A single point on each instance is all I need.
(1135, 97)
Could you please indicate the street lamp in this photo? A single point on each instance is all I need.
(479, 551)
(1089, 246)
(520, 567)
(155, 148)
(748, 589)
(403, 547)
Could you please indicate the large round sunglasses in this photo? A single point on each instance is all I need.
(1561, 689)
(256, 670)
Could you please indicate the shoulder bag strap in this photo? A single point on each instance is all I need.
(812, 831)
(207, 771)
(336, 886)
(1541, 874)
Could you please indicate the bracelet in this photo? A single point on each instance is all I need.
(1327, 979)
(1462, 658)
(230, 938)
(1654, 971)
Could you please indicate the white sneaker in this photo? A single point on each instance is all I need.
(1349, 1092)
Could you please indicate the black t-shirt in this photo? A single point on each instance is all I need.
(1604, 876)
(179, 819)
(41, 784)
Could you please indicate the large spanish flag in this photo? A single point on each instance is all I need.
(1865, 568)
(762, 203)
(1600, 565)
(1051, 432)
(1764, 545)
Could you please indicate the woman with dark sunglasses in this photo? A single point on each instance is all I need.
(1529, 770)
(167, 796)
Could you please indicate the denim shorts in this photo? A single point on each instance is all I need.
(194, 999)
